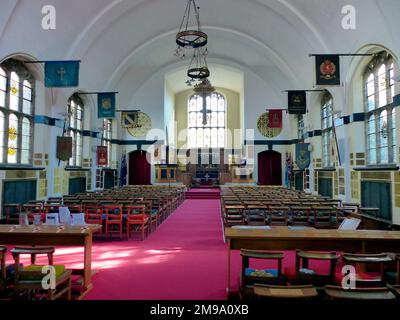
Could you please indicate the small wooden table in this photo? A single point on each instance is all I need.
(283, 238)
(45, 235)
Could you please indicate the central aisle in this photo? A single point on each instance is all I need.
(184, 259)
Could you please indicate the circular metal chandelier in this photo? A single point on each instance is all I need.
(190, 35)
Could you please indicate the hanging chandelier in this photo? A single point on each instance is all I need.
(190, 35)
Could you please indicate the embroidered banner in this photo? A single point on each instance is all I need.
(64, 148)
(275, 118)
(61, 74)
(297, 102)
(327, 70)
(102, 158)
(129, 119)
(106, 105)
(303, 156)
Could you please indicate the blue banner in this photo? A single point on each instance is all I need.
(61, 74)
(123, 171)
(303, 156)
(106, 105)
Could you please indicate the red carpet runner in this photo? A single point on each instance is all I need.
(184, 259)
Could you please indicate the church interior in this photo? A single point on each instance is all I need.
(200, 150)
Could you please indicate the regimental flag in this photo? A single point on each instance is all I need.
(102, 156)
(123, 171)
(106, 105)
(64, 148)
(288, 171)
(275, 118)
(396, 100)
(297, 102)
(61, 74)
(327, 69)
(129, 119)
(303, 158)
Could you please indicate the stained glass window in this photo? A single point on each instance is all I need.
(381, 120)
(211, 134)
(75, 111)
(16, 113)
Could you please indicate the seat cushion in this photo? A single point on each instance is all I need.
(60, 269)
(266, 273)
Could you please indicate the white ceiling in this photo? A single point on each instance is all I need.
(271, 38)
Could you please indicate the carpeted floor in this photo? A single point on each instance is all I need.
(185, 259)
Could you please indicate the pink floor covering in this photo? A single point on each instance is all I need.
(185, 259)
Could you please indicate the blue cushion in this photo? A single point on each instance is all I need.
(266, 273)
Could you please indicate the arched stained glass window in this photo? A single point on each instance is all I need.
(16, 113)
(211, 134)
(75, 111)
(381, 116)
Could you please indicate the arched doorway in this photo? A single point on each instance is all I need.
(270, 168)
(139, 168)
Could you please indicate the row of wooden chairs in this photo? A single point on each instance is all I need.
(26, 281)
(306, 276)
(316, 216)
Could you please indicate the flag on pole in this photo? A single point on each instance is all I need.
(106, 105)
(297, 102)
(123, 171)
(61, 74)
(288, 171)
(327, 69)
(275, 118)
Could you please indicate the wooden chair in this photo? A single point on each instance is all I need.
(249, 276)
(3, 271)
(393, 276)
(75, 208)
(94, 215)
(29, 279)
(136, 217)
(305, 275)
(278, 215)
(366, 279)
(54, 200)
(363, 294)
(306, 292)
(153, 216)
(51, 208)
(114, 219)
(12, 211)
(256, 214)
(323, 217)
(33, 209)
(233, 215)
(300, 216)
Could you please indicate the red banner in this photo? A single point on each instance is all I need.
(275, 118)
(102, 158)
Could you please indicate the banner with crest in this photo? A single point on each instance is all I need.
(327, 70)
(106, 105)
(303, 156)
(297, 102)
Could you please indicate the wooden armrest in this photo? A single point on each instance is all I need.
(317, 255)
(301, 292)
(367, 258)
(260, 254)
(360, 293)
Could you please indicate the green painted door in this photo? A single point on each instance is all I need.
(77, 185)
(19, 191)
(299, 181)
(325, 187)
(377, 195)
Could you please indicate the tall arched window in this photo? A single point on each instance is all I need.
(75, 112)
(16, 113)
(212, 134)
(380, 114)
(327, 129)
(107, 137)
